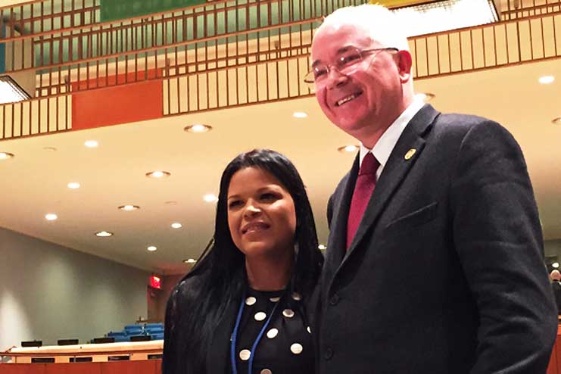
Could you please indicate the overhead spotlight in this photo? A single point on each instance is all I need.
(103, 234)
(91, 143)
(176, 225)
(158, 174)
(546, 79)
(300, 115)
(322, 247)
(426, 96)
(555, 265)
(350, 148)
(6, 155)
(198, 128)
(73, 185)
(190, 261)
(210, 198)
(51, 217)
(427, 17)
(152, 248)
(129, 207)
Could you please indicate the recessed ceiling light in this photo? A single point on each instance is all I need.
(91, 143)
(300, 115)
(129, 207)
(176, 225)
(546, 79)
(190, 261)
(348, 148)
(158, 174)
(210, 198)
(104, 234)
(73, 185)
(556, 121)
(198, 128)
(152, 248)
(425, 96)
(321, 247)
(555, 265)
(51, 217)
(6, 155)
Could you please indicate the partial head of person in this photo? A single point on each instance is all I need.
(555, 275)
(361, 70)
(263, 212)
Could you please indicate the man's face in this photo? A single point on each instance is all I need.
(364, 102)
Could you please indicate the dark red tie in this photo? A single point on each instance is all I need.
(365, 183)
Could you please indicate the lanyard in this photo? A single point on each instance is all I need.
(235, 333)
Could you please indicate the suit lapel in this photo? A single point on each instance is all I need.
(408, 148)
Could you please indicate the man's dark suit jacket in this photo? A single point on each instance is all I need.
(445, 274)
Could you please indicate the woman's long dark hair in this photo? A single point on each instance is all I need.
(218, 279)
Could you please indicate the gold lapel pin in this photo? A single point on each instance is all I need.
(410, 153)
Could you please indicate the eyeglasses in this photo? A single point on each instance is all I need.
(345, 63)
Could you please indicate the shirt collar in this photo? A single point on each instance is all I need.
(385, 145)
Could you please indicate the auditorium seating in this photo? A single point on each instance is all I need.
(138, 332)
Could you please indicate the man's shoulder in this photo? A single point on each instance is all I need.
(461, 124)
(459, 121)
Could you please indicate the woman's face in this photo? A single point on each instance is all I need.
(261, 214)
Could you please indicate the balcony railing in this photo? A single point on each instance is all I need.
(214, 57)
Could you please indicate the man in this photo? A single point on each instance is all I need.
(555, 277)
(453, 208)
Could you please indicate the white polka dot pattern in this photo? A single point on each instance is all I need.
(296, 348)
(288, 313)
(260, 316)
(250, 300)
(286, 335)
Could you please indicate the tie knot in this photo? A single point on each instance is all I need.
(369, 164)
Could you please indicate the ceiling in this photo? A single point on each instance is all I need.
(34, 182)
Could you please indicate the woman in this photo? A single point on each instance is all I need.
(242, 308)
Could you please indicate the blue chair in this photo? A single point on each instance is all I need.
(154, 328)
(154, 325)
(116, 333)
(134, 330)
